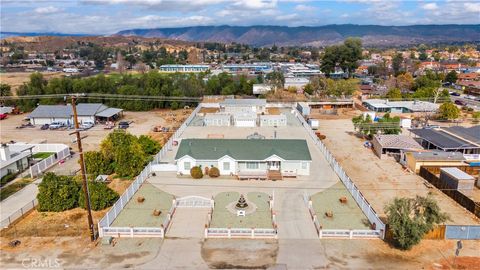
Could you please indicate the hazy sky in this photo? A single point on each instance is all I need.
(110, 16)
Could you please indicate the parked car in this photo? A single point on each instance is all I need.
(456, 94)
(45, 127)
(56, 125)
(460, 102)
(123, 125)
(87, 125)
(3, 116)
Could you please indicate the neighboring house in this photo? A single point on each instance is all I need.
(273, 120)
(451, 139)
(243, 105)
(217, 119)
(384, 105)
(415, 159)
(393, 144)
(261, 89)
(307, 108)
(46, 114)
(13, 162)
(245, 158)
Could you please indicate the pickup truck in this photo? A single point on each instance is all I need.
(56, 125)
(87, 125)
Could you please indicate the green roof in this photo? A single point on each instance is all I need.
(243, 149)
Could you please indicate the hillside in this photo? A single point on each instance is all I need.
(374, 35)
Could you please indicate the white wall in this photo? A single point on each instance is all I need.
(295, 167)
(231, 161)
(245, 123)
(181, 164)
(43, 121)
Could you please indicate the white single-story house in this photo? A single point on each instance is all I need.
(217, 119)
(261, 89)
(245, 119)
(257, 106)
(13, 162)
(87, 112)
(273, 120)
(245, 157)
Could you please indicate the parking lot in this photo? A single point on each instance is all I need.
(142, 123)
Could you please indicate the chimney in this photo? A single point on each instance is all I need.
(4, 152)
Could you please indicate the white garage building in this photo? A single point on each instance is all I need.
(47, 114)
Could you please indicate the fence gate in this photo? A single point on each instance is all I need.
(194, 201)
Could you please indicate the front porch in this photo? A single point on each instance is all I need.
(265, 170)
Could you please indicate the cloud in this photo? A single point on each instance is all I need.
(256, 4)
(47, 10)
(430, 6)
(304, 8)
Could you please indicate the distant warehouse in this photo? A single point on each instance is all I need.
(87, 112)
(184, 68)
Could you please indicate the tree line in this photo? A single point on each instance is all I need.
(152, 83)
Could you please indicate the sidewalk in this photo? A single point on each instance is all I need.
(18, 200)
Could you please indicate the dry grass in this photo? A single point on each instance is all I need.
(16, 79)
(52, 224)
(209, 110)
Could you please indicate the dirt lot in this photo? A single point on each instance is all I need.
(16, 79)
(382, 180)
(239, 253)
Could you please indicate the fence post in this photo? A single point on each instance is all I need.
(229, 233)
(131, 232)
(206, 232)
(351, 234)
(253, 233)
(320, 234)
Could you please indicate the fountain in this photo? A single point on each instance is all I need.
(242, 203)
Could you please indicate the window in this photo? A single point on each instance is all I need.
(304, 165)
(187, 165)
(226, 166)
(252, 165)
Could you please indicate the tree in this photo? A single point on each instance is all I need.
(394, 93)
(397, 62)
(276, 79)
(126, 153)
(101, 196)
(96, 163)
(451, 77)
(449, 111)
(410, 219)
(57, 193)
(345, 56)
(5, 90)
(405, 82)
(149, 146)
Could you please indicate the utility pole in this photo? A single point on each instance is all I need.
(82, 166)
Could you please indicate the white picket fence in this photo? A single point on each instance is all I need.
(351, 187)
(61, 151)
(338, 233)
(104, 228)
(252, 233)
(195, 202)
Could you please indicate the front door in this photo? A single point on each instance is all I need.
(274, 165)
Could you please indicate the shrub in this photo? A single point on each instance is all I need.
(57, 193)
(101, 196)
(196, 172)
(96, 163)
(7, 178)
(214, 172)
(149, 146)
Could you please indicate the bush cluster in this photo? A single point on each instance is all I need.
(196, 172)
(214, 172)
(59, 193)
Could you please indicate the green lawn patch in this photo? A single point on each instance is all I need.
(42, 155)
(14, 187)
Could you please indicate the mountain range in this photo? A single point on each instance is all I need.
(260, 35)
